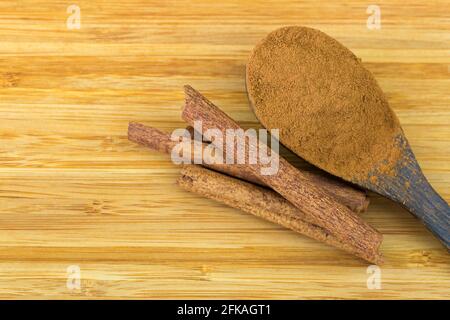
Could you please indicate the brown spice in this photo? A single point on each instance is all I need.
(263, 203)
(319, 207)
(328, 107)
(157, 140)
(254, 199)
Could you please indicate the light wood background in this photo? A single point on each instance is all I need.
(74, 191)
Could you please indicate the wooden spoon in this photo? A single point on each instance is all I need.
(331, 112)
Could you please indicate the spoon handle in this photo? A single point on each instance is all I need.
(426, 204)
(410, 188)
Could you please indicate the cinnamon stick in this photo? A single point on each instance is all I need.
(263, 203)
(354, 198)
(157, 140)
(319, 208)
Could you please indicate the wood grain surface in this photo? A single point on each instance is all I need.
(75, 192)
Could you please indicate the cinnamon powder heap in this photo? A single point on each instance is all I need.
(330, 110)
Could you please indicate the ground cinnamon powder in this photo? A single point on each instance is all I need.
(328, 107)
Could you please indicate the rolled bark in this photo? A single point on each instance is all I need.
(263, 203)
(319, 207)
(159, 141)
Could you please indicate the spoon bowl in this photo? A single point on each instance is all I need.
(331, 111)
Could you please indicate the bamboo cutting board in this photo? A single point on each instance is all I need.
(86, 214)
